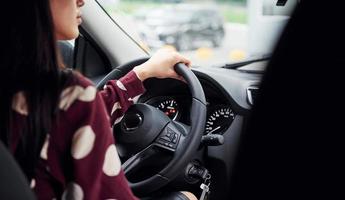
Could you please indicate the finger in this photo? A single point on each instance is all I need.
(179, 58)
(186, 61)
(189, 65)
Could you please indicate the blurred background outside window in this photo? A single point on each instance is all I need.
(209, 32)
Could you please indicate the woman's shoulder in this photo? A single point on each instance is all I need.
(76, 88)
(73, 77)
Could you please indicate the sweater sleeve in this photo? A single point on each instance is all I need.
(97, 172)
(118, 95)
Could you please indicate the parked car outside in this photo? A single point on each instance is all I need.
(182, 26)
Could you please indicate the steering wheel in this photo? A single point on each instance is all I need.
(149, 131)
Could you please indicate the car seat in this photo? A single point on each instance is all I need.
(13, 184)
(290, 147)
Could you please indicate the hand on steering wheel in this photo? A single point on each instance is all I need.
(161, 65)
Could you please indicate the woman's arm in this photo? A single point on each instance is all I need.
(97, 172)
(118, 95)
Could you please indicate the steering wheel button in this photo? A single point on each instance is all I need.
(170, 131)
(165, 138)
(170, 136)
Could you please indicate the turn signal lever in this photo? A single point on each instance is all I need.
(212, 140)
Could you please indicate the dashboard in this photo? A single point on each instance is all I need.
(219, 115)
(229, 96)
(226, 93)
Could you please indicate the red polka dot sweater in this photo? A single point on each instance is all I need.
(79, 158)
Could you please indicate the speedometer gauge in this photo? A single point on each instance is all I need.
(219, 120)
(169, 107)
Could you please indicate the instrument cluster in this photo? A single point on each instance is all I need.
(219, 116)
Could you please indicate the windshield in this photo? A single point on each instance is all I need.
(168, 15)
(209, 32)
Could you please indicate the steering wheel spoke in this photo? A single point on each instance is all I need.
(170, 137)
(133, 164)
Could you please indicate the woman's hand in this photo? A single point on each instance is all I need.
(161, 65)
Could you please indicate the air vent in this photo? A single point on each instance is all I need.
(252, 94)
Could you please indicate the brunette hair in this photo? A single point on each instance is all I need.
(29, 63)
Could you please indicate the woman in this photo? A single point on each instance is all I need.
(54, 121)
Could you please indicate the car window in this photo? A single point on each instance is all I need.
(210, 33)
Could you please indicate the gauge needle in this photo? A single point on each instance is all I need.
(214, 130)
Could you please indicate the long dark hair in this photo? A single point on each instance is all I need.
(29, 63)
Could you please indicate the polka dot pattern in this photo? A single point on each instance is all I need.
(112, 163)
(73, 93)
(73, 191)
(76, 146)
(83, 142)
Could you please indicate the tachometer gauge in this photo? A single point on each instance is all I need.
(170, 108)
(219, 120)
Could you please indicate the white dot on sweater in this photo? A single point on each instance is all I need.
(82, 142)
(44, 151)
(112, 163)
(120, 85)
(115, 107)
(118, 120)
(88, 94)
(73, 191)
(69, 95)
(134, 99)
